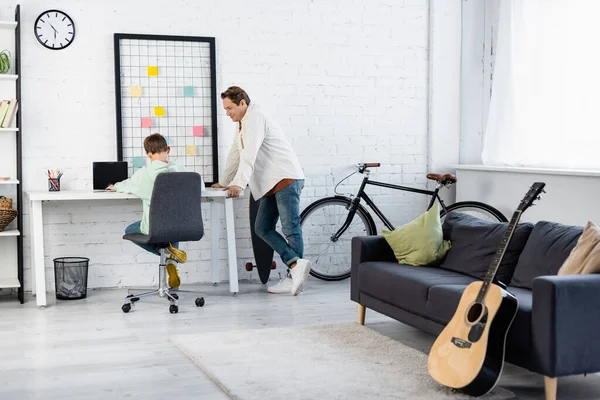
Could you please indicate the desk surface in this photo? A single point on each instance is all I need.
(106, 195)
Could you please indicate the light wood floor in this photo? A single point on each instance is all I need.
(90, 349)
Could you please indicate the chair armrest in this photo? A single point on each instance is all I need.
(367, 248)
(566, 324)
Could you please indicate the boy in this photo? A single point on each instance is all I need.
(141, 185)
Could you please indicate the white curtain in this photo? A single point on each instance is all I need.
(545, 103)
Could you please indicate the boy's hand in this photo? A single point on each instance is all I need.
(217, 185)
(233, 191)
(111, 188)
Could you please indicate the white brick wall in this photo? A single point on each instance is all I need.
(347, 80)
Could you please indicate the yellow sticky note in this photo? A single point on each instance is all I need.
(136, 91)
(159, 111)
(190, 150)
(152, 70)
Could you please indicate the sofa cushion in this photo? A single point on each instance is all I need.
(475, 242)
(585, 257)
(443, 300)
(547, 248)
(404, 286)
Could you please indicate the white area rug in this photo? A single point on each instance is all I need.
(343, 361)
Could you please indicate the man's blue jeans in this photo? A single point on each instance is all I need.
(135, 228)
(285, 204)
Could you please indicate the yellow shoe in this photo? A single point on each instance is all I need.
(174, 281)
(178, 255)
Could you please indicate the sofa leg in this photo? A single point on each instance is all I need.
(361, 314)
(550, 387)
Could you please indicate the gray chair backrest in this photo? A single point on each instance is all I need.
(175, 208)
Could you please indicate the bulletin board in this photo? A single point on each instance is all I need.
(167, 85)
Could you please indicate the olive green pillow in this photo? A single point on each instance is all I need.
(421, 241)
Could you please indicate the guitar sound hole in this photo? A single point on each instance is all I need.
(474, 312)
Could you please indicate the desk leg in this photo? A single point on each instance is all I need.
(38, 266)
(214, 241)
(231, 250)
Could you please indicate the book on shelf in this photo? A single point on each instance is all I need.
(8, 110)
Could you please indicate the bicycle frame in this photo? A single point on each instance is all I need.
(362, 195)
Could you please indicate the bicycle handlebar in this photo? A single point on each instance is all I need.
(363, 166)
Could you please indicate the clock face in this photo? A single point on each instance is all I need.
(54, 29)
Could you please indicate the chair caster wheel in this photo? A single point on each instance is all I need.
(173, 309)
(175, 296)
(126, 308)
(199, 301)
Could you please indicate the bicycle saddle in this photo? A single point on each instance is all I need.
(446, 178)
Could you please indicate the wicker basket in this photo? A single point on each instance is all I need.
(6, 217)
(5, 203)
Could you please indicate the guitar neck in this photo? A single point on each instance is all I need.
(495, 264)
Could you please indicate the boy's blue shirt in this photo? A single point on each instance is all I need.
(142, 183)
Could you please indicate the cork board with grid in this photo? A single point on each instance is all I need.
(167, 85)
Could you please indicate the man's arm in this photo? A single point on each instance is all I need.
(255, 135)
(232, 163)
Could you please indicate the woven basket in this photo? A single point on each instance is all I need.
(6, 217)
(5, 203)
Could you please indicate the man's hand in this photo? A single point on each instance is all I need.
(233, 191)
(111, 188)
(217, 185)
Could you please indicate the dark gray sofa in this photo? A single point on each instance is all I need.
(556, 331)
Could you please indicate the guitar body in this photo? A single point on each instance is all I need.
(469, 353)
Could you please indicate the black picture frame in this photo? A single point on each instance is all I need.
(213, 81)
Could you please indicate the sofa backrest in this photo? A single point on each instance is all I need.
(475, 241)
(547, 248)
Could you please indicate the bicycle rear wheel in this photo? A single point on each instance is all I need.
(477, 209)
(331, 259)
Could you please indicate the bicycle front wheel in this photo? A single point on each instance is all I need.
(476, 209)
(331, 258)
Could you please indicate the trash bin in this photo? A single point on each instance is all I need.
(70, 277)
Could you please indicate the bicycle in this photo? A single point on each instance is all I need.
(331, 221)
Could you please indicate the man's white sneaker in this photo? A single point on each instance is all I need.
(299, 275)
(283, 286)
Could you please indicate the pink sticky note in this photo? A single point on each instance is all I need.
(198, 131)
(146, 122)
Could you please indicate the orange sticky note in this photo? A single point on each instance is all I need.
(198, 131)
(190, 150)
(136, 91)
(159, 111)
(146, 122)
(152, 70)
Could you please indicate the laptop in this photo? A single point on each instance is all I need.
(108, 173)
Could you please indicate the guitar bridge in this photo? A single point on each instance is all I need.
(460, 343)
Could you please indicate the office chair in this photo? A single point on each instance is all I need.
(175, 216)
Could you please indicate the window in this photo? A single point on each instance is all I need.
(545, 92)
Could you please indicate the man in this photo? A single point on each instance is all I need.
(262, 158)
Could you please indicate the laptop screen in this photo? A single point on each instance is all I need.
(108, 172)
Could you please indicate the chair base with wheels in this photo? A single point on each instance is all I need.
(162, 290)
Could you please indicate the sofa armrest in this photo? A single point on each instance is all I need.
(367, 248)
(566, 324)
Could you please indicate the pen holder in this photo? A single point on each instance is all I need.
(53, 185)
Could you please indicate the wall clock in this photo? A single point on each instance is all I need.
(54, 29)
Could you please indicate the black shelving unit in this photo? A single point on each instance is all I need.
(21, 290)
(15, 184)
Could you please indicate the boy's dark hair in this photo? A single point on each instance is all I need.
(155, 143)
(236, 94)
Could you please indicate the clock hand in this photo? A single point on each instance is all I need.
(53, 28)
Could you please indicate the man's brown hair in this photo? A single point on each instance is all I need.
(236, 94)
(155, 143)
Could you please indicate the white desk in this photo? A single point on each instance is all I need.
(215, 196)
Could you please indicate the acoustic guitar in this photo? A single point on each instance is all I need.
(469, 353)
